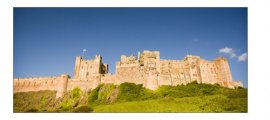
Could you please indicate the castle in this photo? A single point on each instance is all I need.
(147, 69)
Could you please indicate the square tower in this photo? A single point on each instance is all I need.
(87, 69)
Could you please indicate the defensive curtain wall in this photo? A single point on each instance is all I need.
(147, 69)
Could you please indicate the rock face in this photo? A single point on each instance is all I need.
(148, 69)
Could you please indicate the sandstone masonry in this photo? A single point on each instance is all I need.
(147, 69)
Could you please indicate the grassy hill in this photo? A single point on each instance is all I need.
(129, 97)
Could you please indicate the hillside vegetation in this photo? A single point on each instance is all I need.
(129, 97)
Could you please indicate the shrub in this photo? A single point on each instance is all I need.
(147, 94)
(129, 92)
(66, 106)
(42, 103)
(93, 96)
(76, 92)
(236, 93)
(106, 93)
(189, 90)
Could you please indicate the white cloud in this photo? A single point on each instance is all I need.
(228, 51)
(242, 57)
(232, 54)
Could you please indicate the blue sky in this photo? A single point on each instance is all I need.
(47, 40)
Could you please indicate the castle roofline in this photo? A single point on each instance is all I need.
(221, 58)
(147, 51)
(96, 56)
(191, 56)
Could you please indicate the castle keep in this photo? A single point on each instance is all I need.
(147, 69)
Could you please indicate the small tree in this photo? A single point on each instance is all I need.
(76, 92)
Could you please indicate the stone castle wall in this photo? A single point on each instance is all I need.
(58, 83)
(83, 84)
(147, 69)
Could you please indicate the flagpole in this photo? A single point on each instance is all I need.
(84, 50)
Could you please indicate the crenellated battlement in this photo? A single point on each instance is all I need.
(128, 59)
(35, 78)
(167, 60)
(56, 83)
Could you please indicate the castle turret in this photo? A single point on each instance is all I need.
(224, 72)
(152, 80)
(98, 58)
(77, 66)
(192, 62)
(98, 64)
(62, 85)
(88, 69)
(105, 68)
(150, 59)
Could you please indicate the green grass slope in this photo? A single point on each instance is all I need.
(129, 97)
(212, 103)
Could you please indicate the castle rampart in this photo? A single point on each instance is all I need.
(57, 83)
(147, 69)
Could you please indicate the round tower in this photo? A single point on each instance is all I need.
(77, 66)
(152, 80)
(224, 72)
(62, 85)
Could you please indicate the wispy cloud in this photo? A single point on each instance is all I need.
(232, 54)
(242, 57)
(228, 51)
